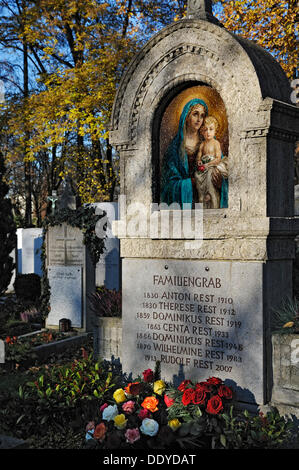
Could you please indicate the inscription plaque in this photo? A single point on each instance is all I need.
(198, 318)
(66, 294)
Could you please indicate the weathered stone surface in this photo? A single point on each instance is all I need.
(108, 338)
(286, 369)
(65, 246)
(66, 295)
(199, 318)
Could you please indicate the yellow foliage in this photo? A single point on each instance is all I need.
(273, 25)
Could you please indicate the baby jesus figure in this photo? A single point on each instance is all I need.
(208, 157)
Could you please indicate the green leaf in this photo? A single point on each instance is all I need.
(96, 393)
(223, 440)
(20, 419)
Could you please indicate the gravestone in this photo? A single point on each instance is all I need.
(71, 274)
(198, 293)
(30, 242)
(108, 266)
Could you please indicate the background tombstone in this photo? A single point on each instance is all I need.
(71, 273)
(203, 307)
(108, 267)
(30, 242)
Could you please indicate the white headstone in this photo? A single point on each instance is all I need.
(66, 294)
(71, 276)
(108, 266)
(32, 239)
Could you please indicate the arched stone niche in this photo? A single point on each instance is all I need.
(261, 121)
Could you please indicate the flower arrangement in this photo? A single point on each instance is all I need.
(149, 413)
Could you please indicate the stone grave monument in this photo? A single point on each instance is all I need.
(205, 130)
(70, 272)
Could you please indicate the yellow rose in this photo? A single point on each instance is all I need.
(119, 395)
(159, 387)
(174, 424)
(120, 421)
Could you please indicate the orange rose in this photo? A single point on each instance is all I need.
(150, 403)
(99, 432)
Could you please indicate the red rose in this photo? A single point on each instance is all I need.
(148, 375)
(214, 381)
(144, 413)
(204, 386)
(182, 386)
(188, 396)
(201, 168)
(225, 392)
(199, 397)
(168, 401)
(214, 405)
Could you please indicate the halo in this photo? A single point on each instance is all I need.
(171, 117)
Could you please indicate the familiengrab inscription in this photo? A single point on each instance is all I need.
(197, 318)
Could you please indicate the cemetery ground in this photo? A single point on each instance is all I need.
(72, 400)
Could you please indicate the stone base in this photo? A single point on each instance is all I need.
(107, 338)
(285, 393)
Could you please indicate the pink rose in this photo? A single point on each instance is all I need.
(132, 435)
(103, 407)
(128, 407)
(144, 413)
(90, 426)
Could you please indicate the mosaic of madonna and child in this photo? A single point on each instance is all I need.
(194, 149)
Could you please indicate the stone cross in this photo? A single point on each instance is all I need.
(65, 239)
(53, 199)
(199, 9)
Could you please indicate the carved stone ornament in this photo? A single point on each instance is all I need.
(201, 9)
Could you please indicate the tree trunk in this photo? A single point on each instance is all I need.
(27, 165)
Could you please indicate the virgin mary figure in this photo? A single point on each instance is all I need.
(179, 162)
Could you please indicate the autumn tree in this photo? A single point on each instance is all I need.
(271, 24)
(7, 232)
(82, 48)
